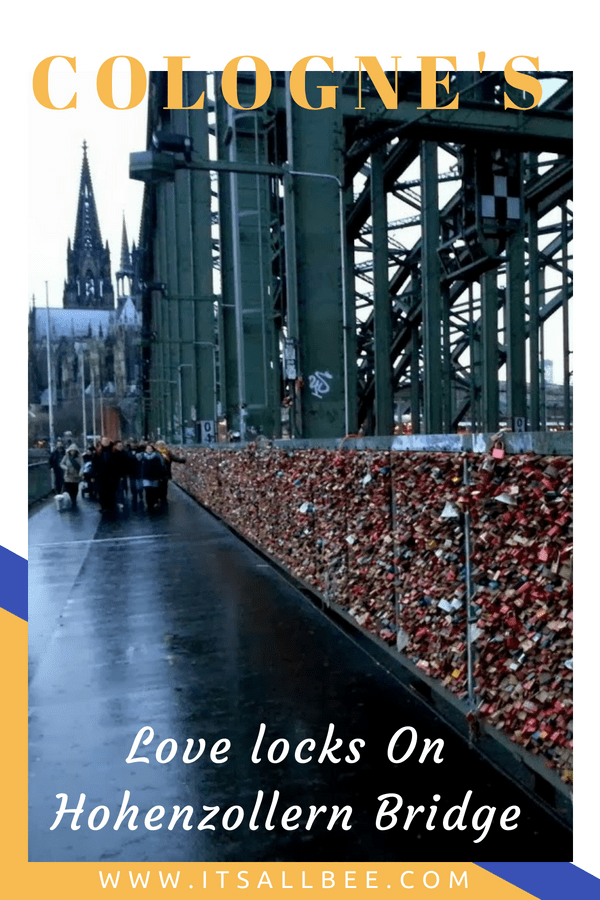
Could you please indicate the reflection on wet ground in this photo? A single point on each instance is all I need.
(169, 621)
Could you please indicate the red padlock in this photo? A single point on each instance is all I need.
(498, 450)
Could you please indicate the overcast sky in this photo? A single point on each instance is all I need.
(55, 156)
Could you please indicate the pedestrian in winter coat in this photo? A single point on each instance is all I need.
(153, 472)
(133, 466)
(169, 458)
(89, 486)
(140, 450)
(54, 463)
(121, 466)
(105, 474)
(71, 465)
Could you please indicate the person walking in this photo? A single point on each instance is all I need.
(105, 474)
(168, 458)
(131, 467)
(121, 464)
(89, 486)
(153, 473)
(72, 465)
(54, 462)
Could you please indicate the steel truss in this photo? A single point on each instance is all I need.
(375, 266)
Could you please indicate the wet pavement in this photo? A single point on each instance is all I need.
(168, 620)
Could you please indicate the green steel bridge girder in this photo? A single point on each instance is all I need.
(315, 293)
(534, 130)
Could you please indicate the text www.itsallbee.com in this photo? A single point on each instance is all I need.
(324, 879)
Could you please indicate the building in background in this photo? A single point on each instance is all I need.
(94, 342)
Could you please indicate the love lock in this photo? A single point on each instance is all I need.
(498, 450)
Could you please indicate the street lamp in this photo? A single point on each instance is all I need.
(83, 410)
(172, 143)
(93, 392)
(50, 399)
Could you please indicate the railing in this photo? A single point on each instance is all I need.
(39, 480)
(384, 534)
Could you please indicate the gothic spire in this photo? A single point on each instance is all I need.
(89, 283)
(87, 228)
(125, 255)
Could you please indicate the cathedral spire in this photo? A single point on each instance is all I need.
(125, 256)
(125, 274)
(88, 261)
(87, 228)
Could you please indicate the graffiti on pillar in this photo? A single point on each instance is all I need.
(319, 386)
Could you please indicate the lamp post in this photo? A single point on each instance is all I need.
(83, 410)
(93, 390)
(49, 362)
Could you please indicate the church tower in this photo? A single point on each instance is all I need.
(88, 284)
(125, 275)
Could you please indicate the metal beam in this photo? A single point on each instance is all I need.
(528, 130)
(350, 336)
(430, 274)
(534, 320)
(516, 379)
(198, 378)
(252, 346)
(537, 129)
(565, 320)
(315, 147)
(489, 338)
(382, 331)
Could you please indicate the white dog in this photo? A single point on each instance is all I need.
(62, 501)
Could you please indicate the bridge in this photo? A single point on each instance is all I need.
(170, 622)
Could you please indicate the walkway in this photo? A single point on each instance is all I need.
(170, 621)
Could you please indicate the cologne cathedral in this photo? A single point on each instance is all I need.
(94, 341)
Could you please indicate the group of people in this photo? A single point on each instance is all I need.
(111, 471)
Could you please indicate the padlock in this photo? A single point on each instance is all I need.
(498, 450)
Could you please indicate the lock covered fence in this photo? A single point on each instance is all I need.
(167, 619)
(381, 533)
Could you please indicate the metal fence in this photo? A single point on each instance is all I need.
(40, 480)
(460, 560)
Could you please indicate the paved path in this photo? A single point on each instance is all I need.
(169, 621)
